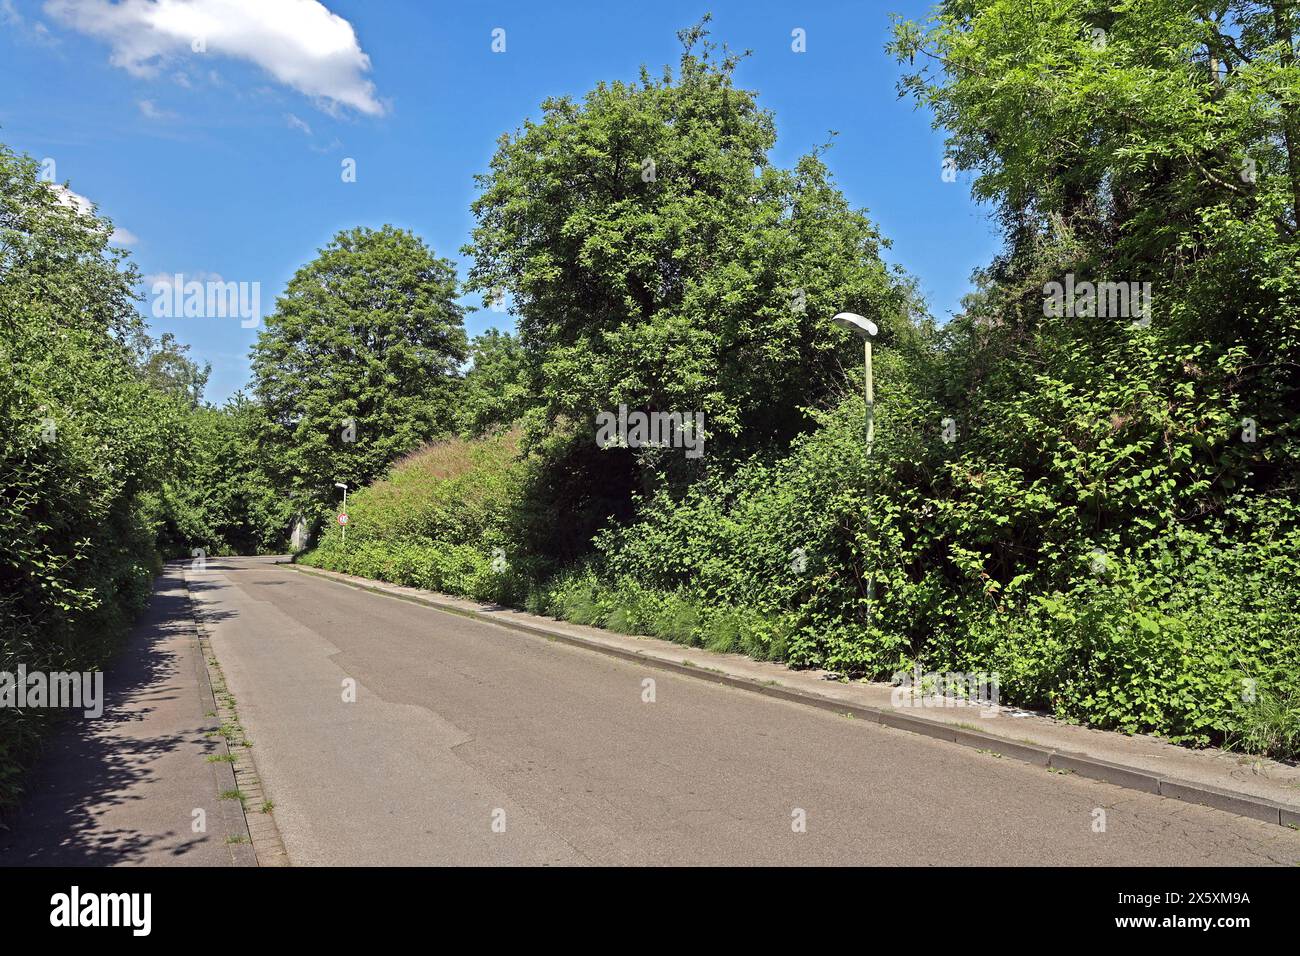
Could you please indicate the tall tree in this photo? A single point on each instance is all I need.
(656, 258)
(166, 365)
(1144, 142)
(359, 363)
(495, 392)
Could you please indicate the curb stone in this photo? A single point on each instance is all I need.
(241, 853)
(1084, 765)
(264, 847)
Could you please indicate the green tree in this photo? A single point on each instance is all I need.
(655, 257)
(1151, 142)
(495, 392)
(84, 439)
(255, 517)
(221, 498)
(1117, 470)
(358, 364)
(165, 364)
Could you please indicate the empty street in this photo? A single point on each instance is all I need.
(470, 743)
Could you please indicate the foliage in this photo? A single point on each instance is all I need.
(108, 459)
(1164, 637)
(1166, 150)
(221, 498)
(165, 364)
(368, 334)
(1150, 142)
(494, 393)
(656, 258)
(1097, 505)
(83, 439)
(439, 519)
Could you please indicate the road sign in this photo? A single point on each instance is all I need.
(343, 518)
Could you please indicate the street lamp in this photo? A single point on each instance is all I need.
(339, 484)
(866, 330)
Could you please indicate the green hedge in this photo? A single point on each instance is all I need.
(1190, 633)
(83, 441)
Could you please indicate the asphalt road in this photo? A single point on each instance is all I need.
(469, 743)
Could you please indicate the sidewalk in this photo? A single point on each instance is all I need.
(122, 789)
(1237, 783)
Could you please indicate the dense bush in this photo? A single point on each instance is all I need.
(1100, 508)
(221, 497)
(440, 519)
(84, 438)
(1194, 634)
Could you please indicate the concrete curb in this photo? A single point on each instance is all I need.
(264, 846)
(241, 853)
(1085, 765)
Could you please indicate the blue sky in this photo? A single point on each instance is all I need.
(226, 162)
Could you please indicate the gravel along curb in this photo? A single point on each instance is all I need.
(264, 846)
(1084, 765)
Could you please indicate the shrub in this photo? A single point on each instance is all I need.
(84, 440)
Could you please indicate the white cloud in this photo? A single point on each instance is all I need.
(151, 111)
(296, 123)
(34, 32)
(299, 42)
(66, 197)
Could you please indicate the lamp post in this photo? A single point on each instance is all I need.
(866, 330)
(344, 525)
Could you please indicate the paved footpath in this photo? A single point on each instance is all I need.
(122, 789)
(389, 732)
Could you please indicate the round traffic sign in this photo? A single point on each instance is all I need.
(343, 518)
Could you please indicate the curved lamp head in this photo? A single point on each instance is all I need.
(856, 324)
